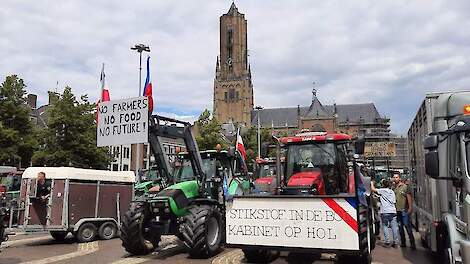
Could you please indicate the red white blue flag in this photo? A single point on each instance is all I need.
(148, 86)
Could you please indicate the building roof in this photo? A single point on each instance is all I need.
(80, 174)
(281, 117)
(316, 109)
(233, 10)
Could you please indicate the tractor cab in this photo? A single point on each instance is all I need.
(316, 163)
(214, 163)
(217, 164)
(265, 175)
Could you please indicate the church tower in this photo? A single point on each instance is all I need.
(233, 89)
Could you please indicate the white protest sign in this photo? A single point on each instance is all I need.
(292, 222)
(122, 122)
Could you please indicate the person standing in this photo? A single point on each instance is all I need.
(43, 186)
(404, 209)
(388, 212)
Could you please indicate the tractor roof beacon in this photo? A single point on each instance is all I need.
(191, 209)
(319, 205)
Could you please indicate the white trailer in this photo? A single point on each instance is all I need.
(438, 141)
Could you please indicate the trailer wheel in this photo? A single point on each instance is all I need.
(59, 235)
(107, 230)
(260, 255)
(86, 233)
(137, 238)
(202, 231)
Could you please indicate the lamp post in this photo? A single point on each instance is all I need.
(259, 136)
(139, 48)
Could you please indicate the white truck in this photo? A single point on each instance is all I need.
(438, 141)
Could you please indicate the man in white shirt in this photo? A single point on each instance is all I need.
(388, 212)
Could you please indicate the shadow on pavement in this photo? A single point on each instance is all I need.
(10, 260)
(420, 255)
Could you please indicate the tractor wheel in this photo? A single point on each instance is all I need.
(260, 255)
(2, 229)
(202, 231)
(136, 238)
(107, 230)
(59, 235)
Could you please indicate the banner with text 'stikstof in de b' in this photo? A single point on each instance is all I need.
(123, 122)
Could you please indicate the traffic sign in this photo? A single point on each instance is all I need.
(122, 122)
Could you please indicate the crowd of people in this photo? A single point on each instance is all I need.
(396, 207)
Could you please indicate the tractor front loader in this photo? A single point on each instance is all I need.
(191, 207)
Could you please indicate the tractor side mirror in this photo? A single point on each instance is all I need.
(359, 146)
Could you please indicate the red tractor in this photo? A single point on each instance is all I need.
(318, 206)
(265, 175)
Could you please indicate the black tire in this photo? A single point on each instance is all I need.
(348, 259)
(202, 231)
(443, 245)
(59, 235)
(2, 229)
(302, 258)
(107, 230)
(136, 238)
(260, 255)
(86, 233)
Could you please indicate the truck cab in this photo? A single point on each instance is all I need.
(444, 227)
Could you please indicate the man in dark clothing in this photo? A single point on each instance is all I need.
(404, 207)
(43, 186)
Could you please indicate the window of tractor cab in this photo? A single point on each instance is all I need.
(329, 159)
(266, 170)
(184, 170)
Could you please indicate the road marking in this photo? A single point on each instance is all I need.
(82, 250)
(24, 241)
(167, 244)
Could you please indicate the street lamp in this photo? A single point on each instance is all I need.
(139, 48)
(259, 137)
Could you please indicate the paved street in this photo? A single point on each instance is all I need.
(41, 249)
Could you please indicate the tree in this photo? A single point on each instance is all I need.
(70, 136)
(17, 134)
(250, 140)
(209, 132)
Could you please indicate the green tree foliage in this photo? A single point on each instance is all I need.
(250, 140)
(17, 134)
(70, 136)
(209, 132)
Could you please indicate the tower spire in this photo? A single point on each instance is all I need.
(314, 92)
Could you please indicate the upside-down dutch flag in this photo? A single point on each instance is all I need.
(104, 92)
(148, 87)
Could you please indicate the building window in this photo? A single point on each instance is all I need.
(226, 96)
(231, 94)
(238, 95)
(125, 167)
(126, 153)
(115, 167)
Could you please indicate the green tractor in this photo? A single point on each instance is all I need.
(189, 202)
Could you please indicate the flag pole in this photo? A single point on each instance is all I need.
(236, 151)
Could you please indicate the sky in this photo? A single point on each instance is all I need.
(390, 53)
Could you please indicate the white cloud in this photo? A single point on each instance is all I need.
(387, 52)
